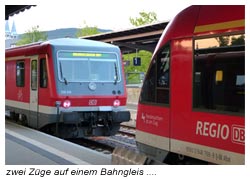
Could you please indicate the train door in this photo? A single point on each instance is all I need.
(34, 92)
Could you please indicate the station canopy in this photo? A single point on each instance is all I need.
(11, 10)
(139, 38)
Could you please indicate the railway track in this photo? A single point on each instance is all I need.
(127, 130)
(92, 144)
(124, 138)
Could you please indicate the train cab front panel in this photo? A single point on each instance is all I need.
(90, 88)
(79, 86)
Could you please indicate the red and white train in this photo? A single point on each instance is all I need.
(192, 102)
(67, 87)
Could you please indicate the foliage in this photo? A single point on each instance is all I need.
(226, 41)
(86, 31)
(223, 40)
(145, 18)
(132, 71)
(238, 41)
(33, 35)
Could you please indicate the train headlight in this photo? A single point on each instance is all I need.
(116, 103)
(66, 103)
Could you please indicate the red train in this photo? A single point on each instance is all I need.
(67, 87)
(192, 102)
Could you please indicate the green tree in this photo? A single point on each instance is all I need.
(227, 41)
(145, 18)
(86, 31)
(33, 35)
(133, 72)
(223, 40)
(238, 41)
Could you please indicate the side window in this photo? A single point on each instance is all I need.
(156, 84)
(162, 88)
(20, 74)
(219, 75)
(43, 73)
(34, 74)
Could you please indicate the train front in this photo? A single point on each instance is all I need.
(90, 87)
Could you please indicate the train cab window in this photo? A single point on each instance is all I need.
(88, 66)
(162, 88)
(219, 74)
(43, 73)
(34, 74)
(148, 92)
(156, 85)
(20, 74)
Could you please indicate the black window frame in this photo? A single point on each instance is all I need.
(156, 89)
(20, 73)
(43, 76)
(219, 92)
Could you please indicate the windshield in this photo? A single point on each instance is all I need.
(87, 66)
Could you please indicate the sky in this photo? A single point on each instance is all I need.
(104, 14)
(108, 14)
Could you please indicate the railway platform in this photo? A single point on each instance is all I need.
(25, 146)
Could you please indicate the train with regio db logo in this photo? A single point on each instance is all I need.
(191, 108)
(67, 87)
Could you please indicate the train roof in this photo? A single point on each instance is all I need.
(77, 42)
(42, 47)
(204, 20)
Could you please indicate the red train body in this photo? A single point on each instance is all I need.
(68, 87)
(192, 103)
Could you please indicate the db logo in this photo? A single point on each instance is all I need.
(92, 102)
(238, 134)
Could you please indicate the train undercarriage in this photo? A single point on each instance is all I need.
(73, 124)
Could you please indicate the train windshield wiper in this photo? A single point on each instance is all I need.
(61, 73)
(116, 74)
